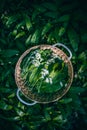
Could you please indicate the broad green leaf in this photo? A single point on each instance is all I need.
(82, 56)
(39, 8)
(16, 118)
(35, 15)
(11, 20)
(50, 6)
(5, 90)
(20, 24)
(19, 112)
(9, 53)
(58, 118)
(20, 46)
(2, 41)
(47, 116)
(84, 37)
(61, 31)
(56, 34)
(65, 100)
(21, 34)
(73, 38)
(11, 95)
(51, 14)
(28, 40)
(35, 37)
(28, 22)
(5, 106)
(64, 18)
(14, 33)
(68, 7)
(50, 37)
(46, 28)
(76, 90)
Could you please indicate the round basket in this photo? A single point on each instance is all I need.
(35, 96)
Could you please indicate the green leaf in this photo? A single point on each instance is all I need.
(73, 38)
(84, 38)
(19, 25)
(35, 15)
(50, 6)
(56, 34)
(14, 33)
(9, 53)
(5, 106)
(20, 46)
(51, 14)
(28, 22)
(11, 95)
(82, 56)
(58, 118)
(47, 116)
(46, 28)
(5, 90)
(76, 90)
(65, 100)
(69, 6)
(35, 37)
(61, 31)
(50, 37)
(11, 20)
(3, 41)
(20, 34)
(28, 40)
(16, 127)
(64, 18)
(39, 8)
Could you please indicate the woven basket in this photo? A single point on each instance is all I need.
(43, 98)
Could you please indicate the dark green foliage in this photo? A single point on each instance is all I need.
(25, 23)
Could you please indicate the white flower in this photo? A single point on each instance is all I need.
(51, 61)
(41, 59)
(38, 56)
(42, 77)
(47, 80)
(43, 74)
(50, 80)
(54, 55)
(36, 63)
(44, 71)
(61, 84)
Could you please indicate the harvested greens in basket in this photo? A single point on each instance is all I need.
(43, 71)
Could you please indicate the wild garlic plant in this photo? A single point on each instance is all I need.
(43, 71)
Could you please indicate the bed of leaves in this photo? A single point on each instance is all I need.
(26, 23)
(44, 72)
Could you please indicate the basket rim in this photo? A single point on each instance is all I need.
(24, 89)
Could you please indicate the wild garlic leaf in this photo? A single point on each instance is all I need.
(46, 28)
(43, 72)
(28, 22)
(73, 38)
(9, 53)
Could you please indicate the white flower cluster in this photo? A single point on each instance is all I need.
(44, 73)
(38, 56)
(61, 84)
(49, 80)
(37, 59)
(36, 63)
